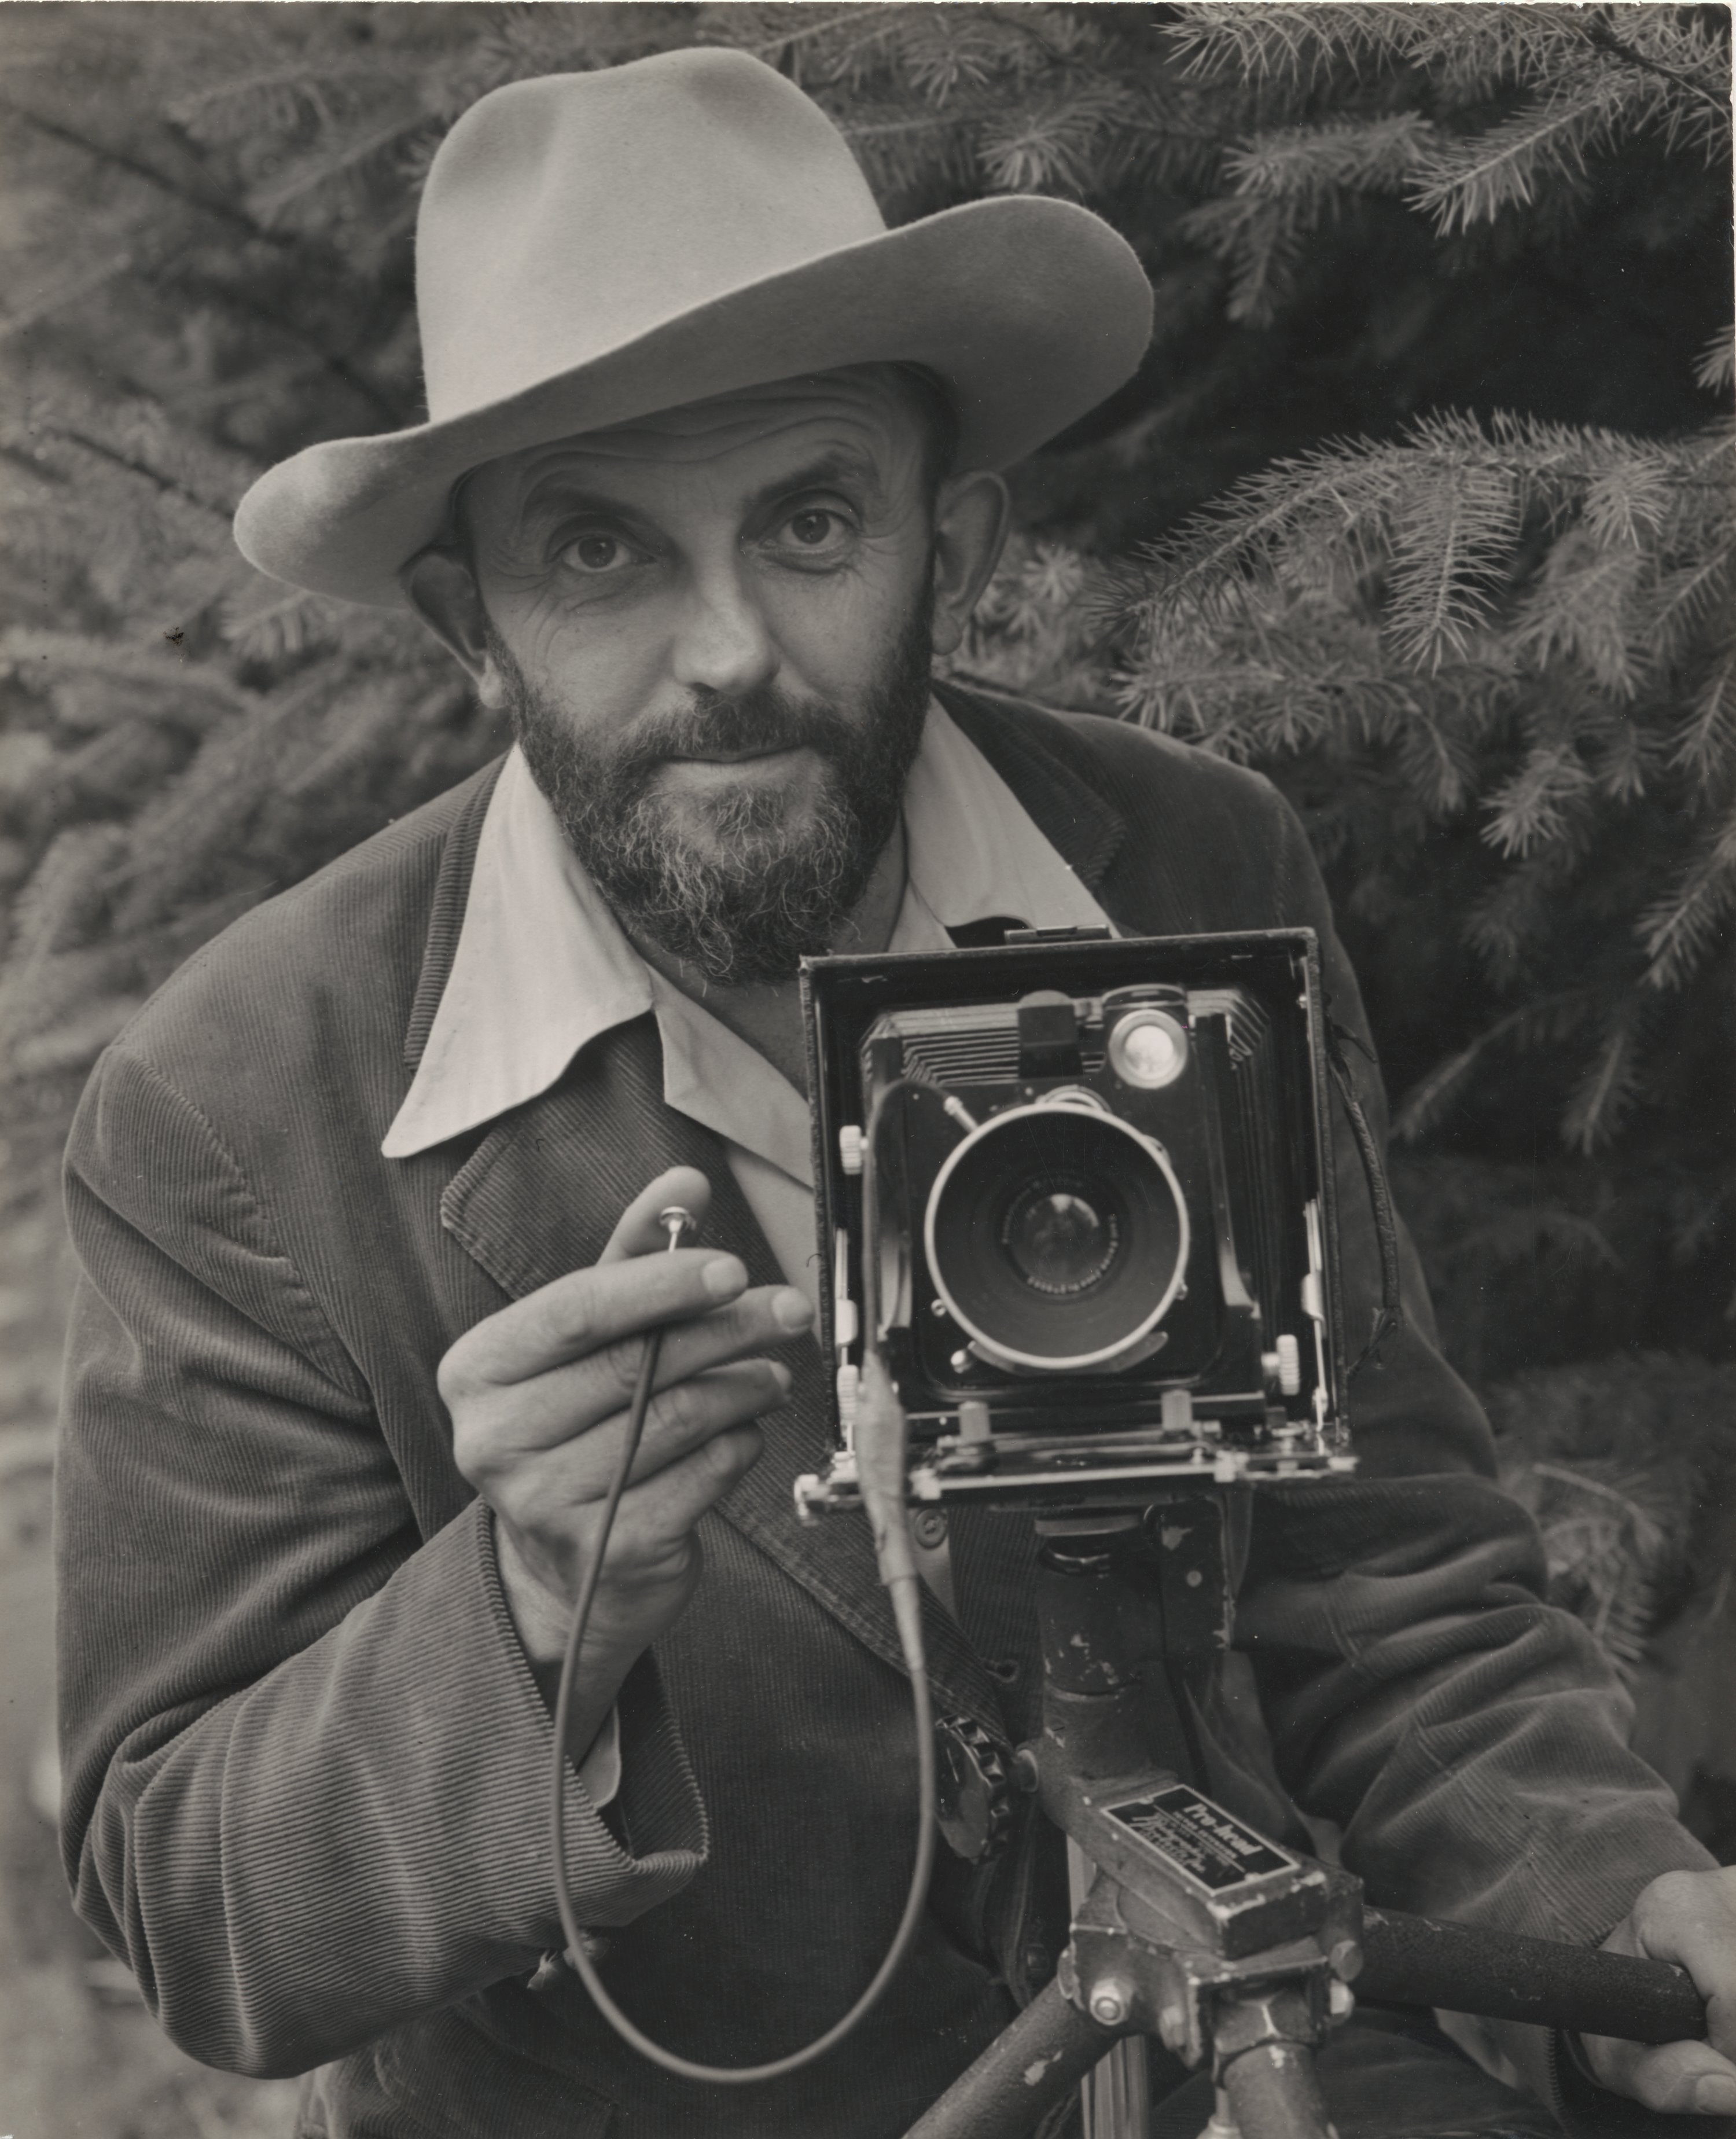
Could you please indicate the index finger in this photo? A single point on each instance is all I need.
(587, 1309)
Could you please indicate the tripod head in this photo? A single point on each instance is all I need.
(1233, 1951)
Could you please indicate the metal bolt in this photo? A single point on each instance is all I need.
(961, 1363)
(1172, 2027)
(1342, 2000)
(1024, 1768)
(937, 1309)
(1111, 2002)
(928, 1527)
(1347, 1960)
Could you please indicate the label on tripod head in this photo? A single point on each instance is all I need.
(1201, 1839)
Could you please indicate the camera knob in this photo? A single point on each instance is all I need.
(849, 1148)
(1283, 1365)
(977, 1796)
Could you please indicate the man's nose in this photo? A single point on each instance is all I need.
(722, 644)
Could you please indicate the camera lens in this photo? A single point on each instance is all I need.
(1056, 1237)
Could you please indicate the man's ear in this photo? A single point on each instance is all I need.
(441, 588)
(972, 514)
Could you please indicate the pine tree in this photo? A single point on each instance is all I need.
(1421, 502)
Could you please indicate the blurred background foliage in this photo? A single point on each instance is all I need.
(1422, 502)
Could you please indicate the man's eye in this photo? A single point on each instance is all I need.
(815, 528)
(596, 553)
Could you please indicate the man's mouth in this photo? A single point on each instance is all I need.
(773, 762)
(735, 756)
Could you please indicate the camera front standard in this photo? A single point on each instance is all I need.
(1080, 1191)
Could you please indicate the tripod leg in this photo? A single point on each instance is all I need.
(1117, 2093)
(1038, 2060)
(1275, 2094)
(1221, 2124)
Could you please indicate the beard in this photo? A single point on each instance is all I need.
(771, 880)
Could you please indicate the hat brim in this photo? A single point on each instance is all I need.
(1032, 310)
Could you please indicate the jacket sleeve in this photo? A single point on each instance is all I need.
(1470, 1740)
(307, 1765)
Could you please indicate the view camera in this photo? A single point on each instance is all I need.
(1081, 1186)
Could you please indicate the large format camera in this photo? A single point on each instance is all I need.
(1083, 1189)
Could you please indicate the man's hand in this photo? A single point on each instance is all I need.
(538, 1395)
(1688, 1918)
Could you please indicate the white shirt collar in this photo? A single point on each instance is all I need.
(542, 967)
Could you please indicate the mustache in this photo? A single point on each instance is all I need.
(764, 719)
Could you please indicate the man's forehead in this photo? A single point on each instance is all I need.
(865, 406)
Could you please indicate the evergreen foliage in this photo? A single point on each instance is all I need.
(1443, 357)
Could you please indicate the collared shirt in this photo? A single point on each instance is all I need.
(542, 968)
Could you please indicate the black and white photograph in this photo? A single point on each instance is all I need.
(868, 1070)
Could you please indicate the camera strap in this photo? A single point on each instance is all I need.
(1389, 1315)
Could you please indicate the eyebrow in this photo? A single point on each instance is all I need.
(553, 491)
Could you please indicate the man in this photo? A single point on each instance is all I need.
(361, 1196)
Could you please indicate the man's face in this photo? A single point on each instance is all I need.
(711, 630)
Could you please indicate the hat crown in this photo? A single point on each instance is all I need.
(567, 215)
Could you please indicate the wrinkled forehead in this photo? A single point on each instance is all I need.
(871, 397)
(873, 409)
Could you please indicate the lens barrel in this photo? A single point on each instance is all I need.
(1057, 1236)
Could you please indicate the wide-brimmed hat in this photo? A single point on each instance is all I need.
(594, 247)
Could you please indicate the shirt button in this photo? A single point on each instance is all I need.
(928, 1528)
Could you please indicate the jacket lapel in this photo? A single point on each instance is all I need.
(1083, 827)
(539, 1197)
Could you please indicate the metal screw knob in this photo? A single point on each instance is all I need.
(1111, 2001)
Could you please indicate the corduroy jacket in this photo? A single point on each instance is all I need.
(306, 1759)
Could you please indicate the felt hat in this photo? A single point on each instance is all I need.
(594, 247)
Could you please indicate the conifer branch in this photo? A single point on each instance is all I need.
(1544, 1022)
(849, 17)
(270, 200)
(167, 484)
(1680, 930)
(1717, 364)
(101, 151)
(64, 295)
(1609, 1086)
(240, 300)
(1598, 33)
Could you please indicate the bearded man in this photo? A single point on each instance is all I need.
(708, 485)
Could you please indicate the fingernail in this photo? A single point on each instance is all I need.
(1715, 2095)
(792, 1310)
(781, 1375)
(723, 1277)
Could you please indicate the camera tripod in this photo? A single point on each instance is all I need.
(1227, 1948)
